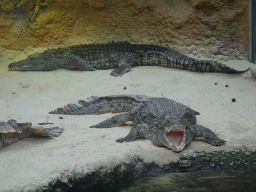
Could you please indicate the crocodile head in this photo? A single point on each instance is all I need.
(32, 63)
(172, 134)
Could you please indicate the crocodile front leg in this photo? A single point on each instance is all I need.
(133, 134)
(207, 134)
(126, 62)
(141, 130)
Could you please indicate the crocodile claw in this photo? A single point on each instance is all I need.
(124, 139)
(215, 142)
(121, 140)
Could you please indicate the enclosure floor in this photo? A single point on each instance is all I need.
(29, 96)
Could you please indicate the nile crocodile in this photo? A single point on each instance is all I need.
(11, 131)
(120, 56)
(164, 121)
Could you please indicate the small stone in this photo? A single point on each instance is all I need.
(215, 83)
(233, 100)
(25, 86)
(60, 117)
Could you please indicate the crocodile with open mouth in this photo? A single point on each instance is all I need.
(165, 122)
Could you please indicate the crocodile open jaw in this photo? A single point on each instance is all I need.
(176, 137)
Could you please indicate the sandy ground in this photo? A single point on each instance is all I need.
(29, 96)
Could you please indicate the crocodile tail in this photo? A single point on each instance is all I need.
(211, 66)
(97, 105)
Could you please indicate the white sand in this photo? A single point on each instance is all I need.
(29, 96)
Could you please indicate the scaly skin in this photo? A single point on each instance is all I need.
(164, 121)
(11, 131)
(120, 56)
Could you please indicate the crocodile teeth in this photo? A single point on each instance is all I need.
(173, 129)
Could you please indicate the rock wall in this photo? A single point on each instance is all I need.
(211, 28)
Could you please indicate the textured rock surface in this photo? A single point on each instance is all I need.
(209, 28)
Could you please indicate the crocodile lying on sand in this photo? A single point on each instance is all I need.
(11, 131)
(164, 121)
(120, 56)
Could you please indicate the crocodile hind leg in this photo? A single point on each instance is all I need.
(115, 121)
(126, 62)
(207, 134)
